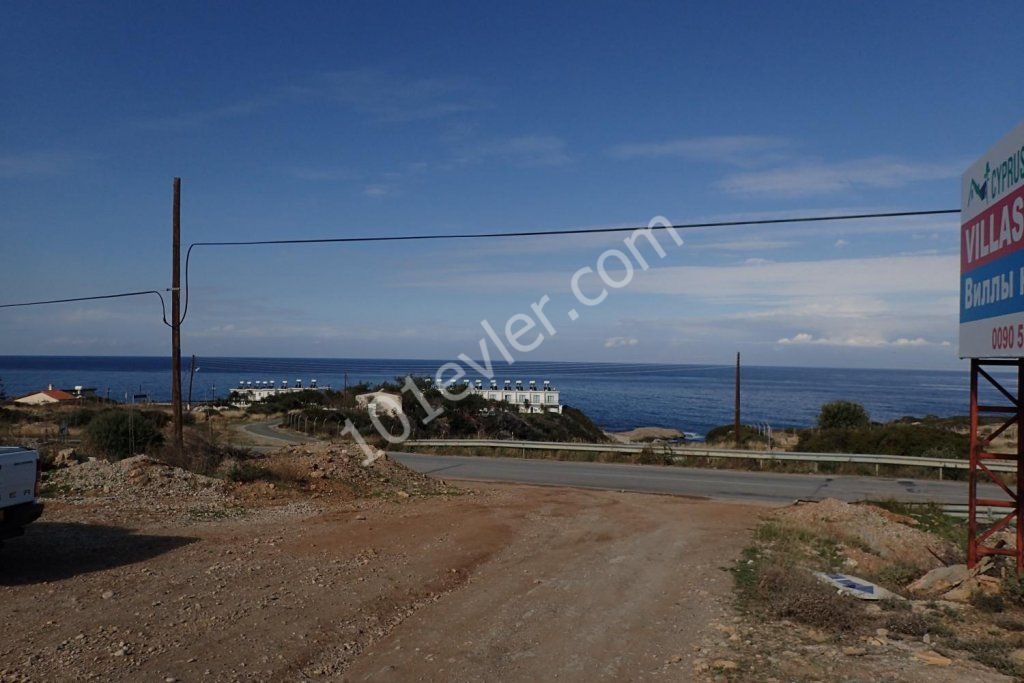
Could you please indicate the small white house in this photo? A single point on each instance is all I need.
(381, 403)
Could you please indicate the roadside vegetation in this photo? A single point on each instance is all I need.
(846, 427)
(470, 417)
(778, 592)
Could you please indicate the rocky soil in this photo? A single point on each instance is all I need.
(888, 536)
(327, 465)
(347, 574)
(792, 628)
(140, 485)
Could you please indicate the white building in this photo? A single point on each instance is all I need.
(529, 399)
(252, 392)
(381, 403)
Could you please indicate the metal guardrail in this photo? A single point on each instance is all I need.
(704, 452)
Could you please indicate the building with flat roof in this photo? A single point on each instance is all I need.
(528, 399)
(248, 392)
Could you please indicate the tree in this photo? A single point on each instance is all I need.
(843, 415)
(119, 433)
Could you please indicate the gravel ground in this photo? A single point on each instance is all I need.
(503, 583)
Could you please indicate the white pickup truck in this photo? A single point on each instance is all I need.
(19, 490)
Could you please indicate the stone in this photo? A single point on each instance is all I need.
(854, 651)
(66, 457)
(940, 580)
(933, 658)
(818, 636)
(107, 595)
(725, 665)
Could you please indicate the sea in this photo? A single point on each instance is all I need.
(692, 398)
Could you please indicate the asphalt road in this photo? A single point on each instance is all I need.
(269, 437)
(733, 485)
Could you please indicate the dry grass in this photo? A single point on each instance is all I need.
(201, 455)
(287, 469)
(786, 592)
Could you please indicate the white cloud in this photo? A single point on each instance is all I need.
(397, 99)
(382, 95)
(320, 174)
(202, 117)
(376, 191)
(816, 178)
(840, 243)
(619, 342)
(893, 275)
(753, 244)
(34, 164)
(524, 150)
(730, 149)
(805, 338)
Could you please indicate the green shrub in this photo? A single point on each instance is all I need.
(119, 433)
(202, 453)
(890, 439)
(843, 415)
(79, 417)
(988, 603)
(725, 435)
(650, 456)
(246, 472)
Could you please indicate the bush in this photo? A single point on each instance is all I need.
(117, 434)
(786, 592)
(843, 415)
(79, 417)
(890, 439)
(988, 603)
(247, 472)
(201, 454)
(650, 456)
(725, 435)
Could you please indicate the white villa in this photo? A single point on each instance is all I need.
(381, 403)
(251, 392)
(529, 399)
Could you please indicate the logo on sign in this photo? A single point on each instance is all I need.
(981, 191)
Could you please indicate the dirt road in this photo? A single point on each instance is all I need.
(505, 582)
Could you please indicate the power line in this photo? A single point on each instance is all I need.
(544, 233)
(477, 235)
(120, 295)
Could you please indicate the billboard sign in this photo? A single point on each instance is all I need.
(992, 252)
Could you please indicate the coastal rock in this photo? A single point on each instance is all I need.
(66, 457)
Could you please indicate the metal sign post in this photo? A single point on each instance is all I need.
(992, 337)
(981, 538)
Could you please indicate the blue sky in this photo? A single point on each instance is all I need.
(410, 118)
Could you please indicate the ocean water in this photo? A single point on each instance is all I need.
(616, 396)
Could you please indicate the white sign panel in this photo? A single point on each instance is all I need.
(992, 252)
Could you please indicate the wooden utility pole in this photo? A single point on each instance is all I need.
(736, 424)
(176, 315)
